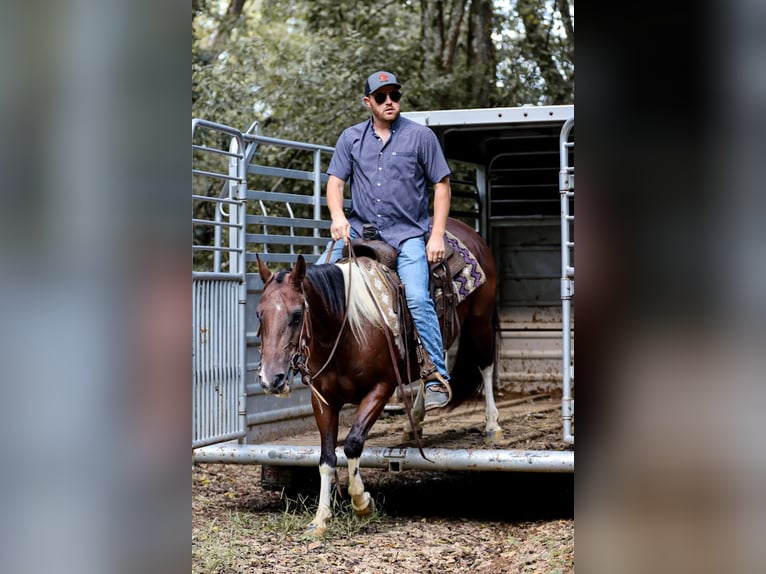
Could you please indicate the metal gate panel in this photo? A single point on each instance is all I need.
(566, 189)
(217, 356)
(218, 284)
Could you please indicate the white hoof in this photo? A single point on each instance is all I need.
(315, 531)
(367, 506)
(492, 436)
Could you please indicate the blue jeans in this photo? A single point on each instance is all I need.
(412, 267)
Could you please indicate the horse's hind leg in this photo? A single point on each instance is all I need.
(492, 431)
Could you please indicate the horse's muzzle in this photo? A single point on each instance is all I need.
(278, 385)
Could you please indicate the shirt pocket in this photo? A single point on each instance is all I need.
(403, 165)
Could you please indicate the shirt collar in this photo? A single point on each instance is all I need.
(394, 127)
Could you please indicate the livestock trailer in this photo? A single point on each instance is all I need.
(512, 181)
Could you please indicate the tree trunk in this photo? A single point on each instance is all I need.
(432, 35)
(480, 60)
(566, 18)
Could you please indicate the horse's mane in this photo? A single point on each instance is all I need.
(330, 282)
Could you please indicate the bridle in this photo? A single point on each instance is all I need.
(298, 362)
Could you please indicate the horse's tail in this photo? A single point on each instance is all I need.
(474, 354)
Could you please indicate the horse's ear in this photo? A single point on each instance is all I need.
(299, 272)
(263, 270)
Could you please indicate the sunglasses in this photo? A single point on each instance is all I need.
(381, 98)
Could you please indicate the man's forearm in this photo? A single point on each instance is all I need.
(334, 195)
(442, 199)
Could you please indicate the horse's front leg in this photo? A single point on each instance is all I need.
(369, 411)
(327, 421)
(492, 431)
(361, 501)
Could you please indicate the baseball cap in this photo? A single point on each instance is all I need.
(378, 80)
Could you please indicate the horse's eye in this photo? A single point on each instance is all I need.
(295, 318)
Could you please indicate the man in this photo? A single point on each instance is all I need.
(390, 161)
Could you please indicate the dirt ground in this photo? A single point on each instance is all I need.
(244, 520)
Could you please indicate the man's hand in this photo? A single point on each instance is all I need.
(435, 248)
(340, 228)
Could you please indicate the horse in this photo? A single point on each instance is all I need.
(324, 321)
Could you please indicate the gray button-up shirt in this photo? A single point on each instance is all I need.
(389, 183)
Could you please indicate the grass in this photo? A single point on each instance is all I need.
(238, 529)
(224, 544)
(344, 523)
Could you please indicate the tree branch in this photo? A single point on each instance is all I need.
(221, 36)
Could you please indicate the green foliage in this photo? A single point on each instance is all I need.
(298, 66)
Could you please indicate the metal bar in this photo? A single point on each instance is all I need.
(529, 200)
(567, 283)
(215, 126)
(213, 174)
(318, 193)
(284, 239)
(281, 172)
(281, 197)
(287, 222)
(218, 223)
(288, 413)
(218, 230)
(239, 328)
(215, 439)
(281, 257)
(213, 199)
(399, 458)
(479, 116)
(215, 150)
(210, 248)
(286, 143)
(522, 185)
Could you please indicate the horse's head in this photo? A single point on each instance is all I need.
(280, 315)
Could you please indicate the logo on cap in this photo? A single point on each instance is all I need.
(383, 77)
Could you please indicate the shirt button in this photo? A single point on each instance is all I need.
(379, 168)
(393, 153)
(378, 184)
(377, 199)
